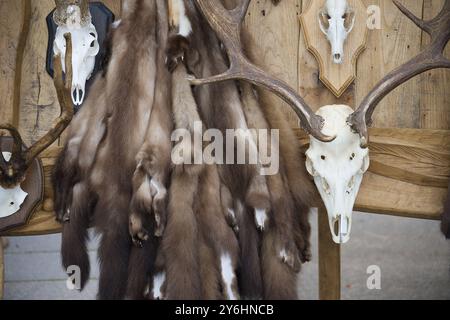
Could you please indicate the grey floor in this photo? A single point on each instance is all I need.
(413, 256)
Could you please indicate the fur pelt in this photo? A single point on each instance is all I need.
(178, 230)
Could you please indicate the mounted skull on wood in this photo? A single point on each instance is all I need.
(338, 166)
(336, 20)
(73, 16)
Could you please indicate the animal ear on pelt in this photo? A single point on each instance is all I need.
(102, 19)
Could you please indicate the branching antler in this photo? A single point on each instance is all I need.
(430, 58)
(12, 172)
(227, 26)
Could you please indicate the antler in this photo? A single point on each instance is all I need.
(227, 26)
(12, 172)
(430, 58)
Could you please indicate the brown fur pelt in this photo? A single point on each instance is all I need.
(128, 98)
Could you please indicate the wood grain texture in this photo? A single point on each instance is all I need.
(10, 36)
(329, 261)
(434, 93)
(2, 269)
(337, 77)
(38, 101)
(397, 42)
(315, 93)
(271, 34)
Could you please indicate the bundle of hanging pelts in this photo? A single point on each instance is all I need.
(178, 230)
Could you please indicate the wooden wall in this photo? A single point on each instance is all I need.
(274, 41)
(27, 95)
(423, 102)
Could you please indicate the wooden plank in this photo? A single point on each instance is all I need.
(2, 269)
(434, 93)
(310, 87)
(329, 261)
(272, 38)
(398, 41)
(10, 48)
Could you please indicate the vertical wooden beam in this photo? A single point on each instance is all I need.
(329, 261)
(2, 269)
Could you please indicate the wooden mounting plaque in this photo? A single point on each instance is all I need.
(336, 77)
(33, 185)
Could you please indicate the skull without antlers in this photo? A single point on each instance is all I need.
(336, 21)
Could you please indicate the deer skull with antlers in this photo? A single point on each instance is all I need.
(344, 138)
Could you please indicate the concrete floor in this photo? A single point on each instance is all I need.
(413, 256)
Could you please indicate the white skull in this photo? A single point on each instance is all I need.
(85, 47)
(336, 21)
(10, 199)
(337, 168)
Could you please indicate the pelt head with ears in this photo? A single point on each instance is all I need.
(336, 21)
(338, 168)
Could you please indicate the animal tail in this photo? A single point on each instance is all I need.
(75, 234)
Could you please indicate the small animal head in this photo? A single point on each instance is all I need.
(12, 196)
(85, 48)
(338, 168)
(336, 21)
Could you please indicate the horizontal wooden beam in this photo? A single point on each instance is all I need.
(406, 177)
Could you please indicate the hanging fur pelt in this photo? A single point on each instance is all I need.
(99, 189)
(170, 229)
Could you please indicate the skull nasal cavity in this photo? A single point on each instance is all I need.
(337, 56)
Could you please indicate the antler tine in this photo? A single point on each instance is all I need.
(430, 58)
(18, 143)
(64, 92)
(227, 26)
(419, 22)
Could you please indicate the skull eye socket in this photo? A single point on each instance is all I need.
(92, 44)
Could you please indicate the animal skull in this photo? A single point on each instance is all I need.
(337, 168)
(85, 48)
(336, 21)
(10, 199)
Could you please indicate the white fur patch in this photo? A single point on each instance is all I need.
(116, 24)
(232, 213)
(228, 275)
(260, 218)
(185, 27)
(158, 281)
(144, 190)
(283, 255)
